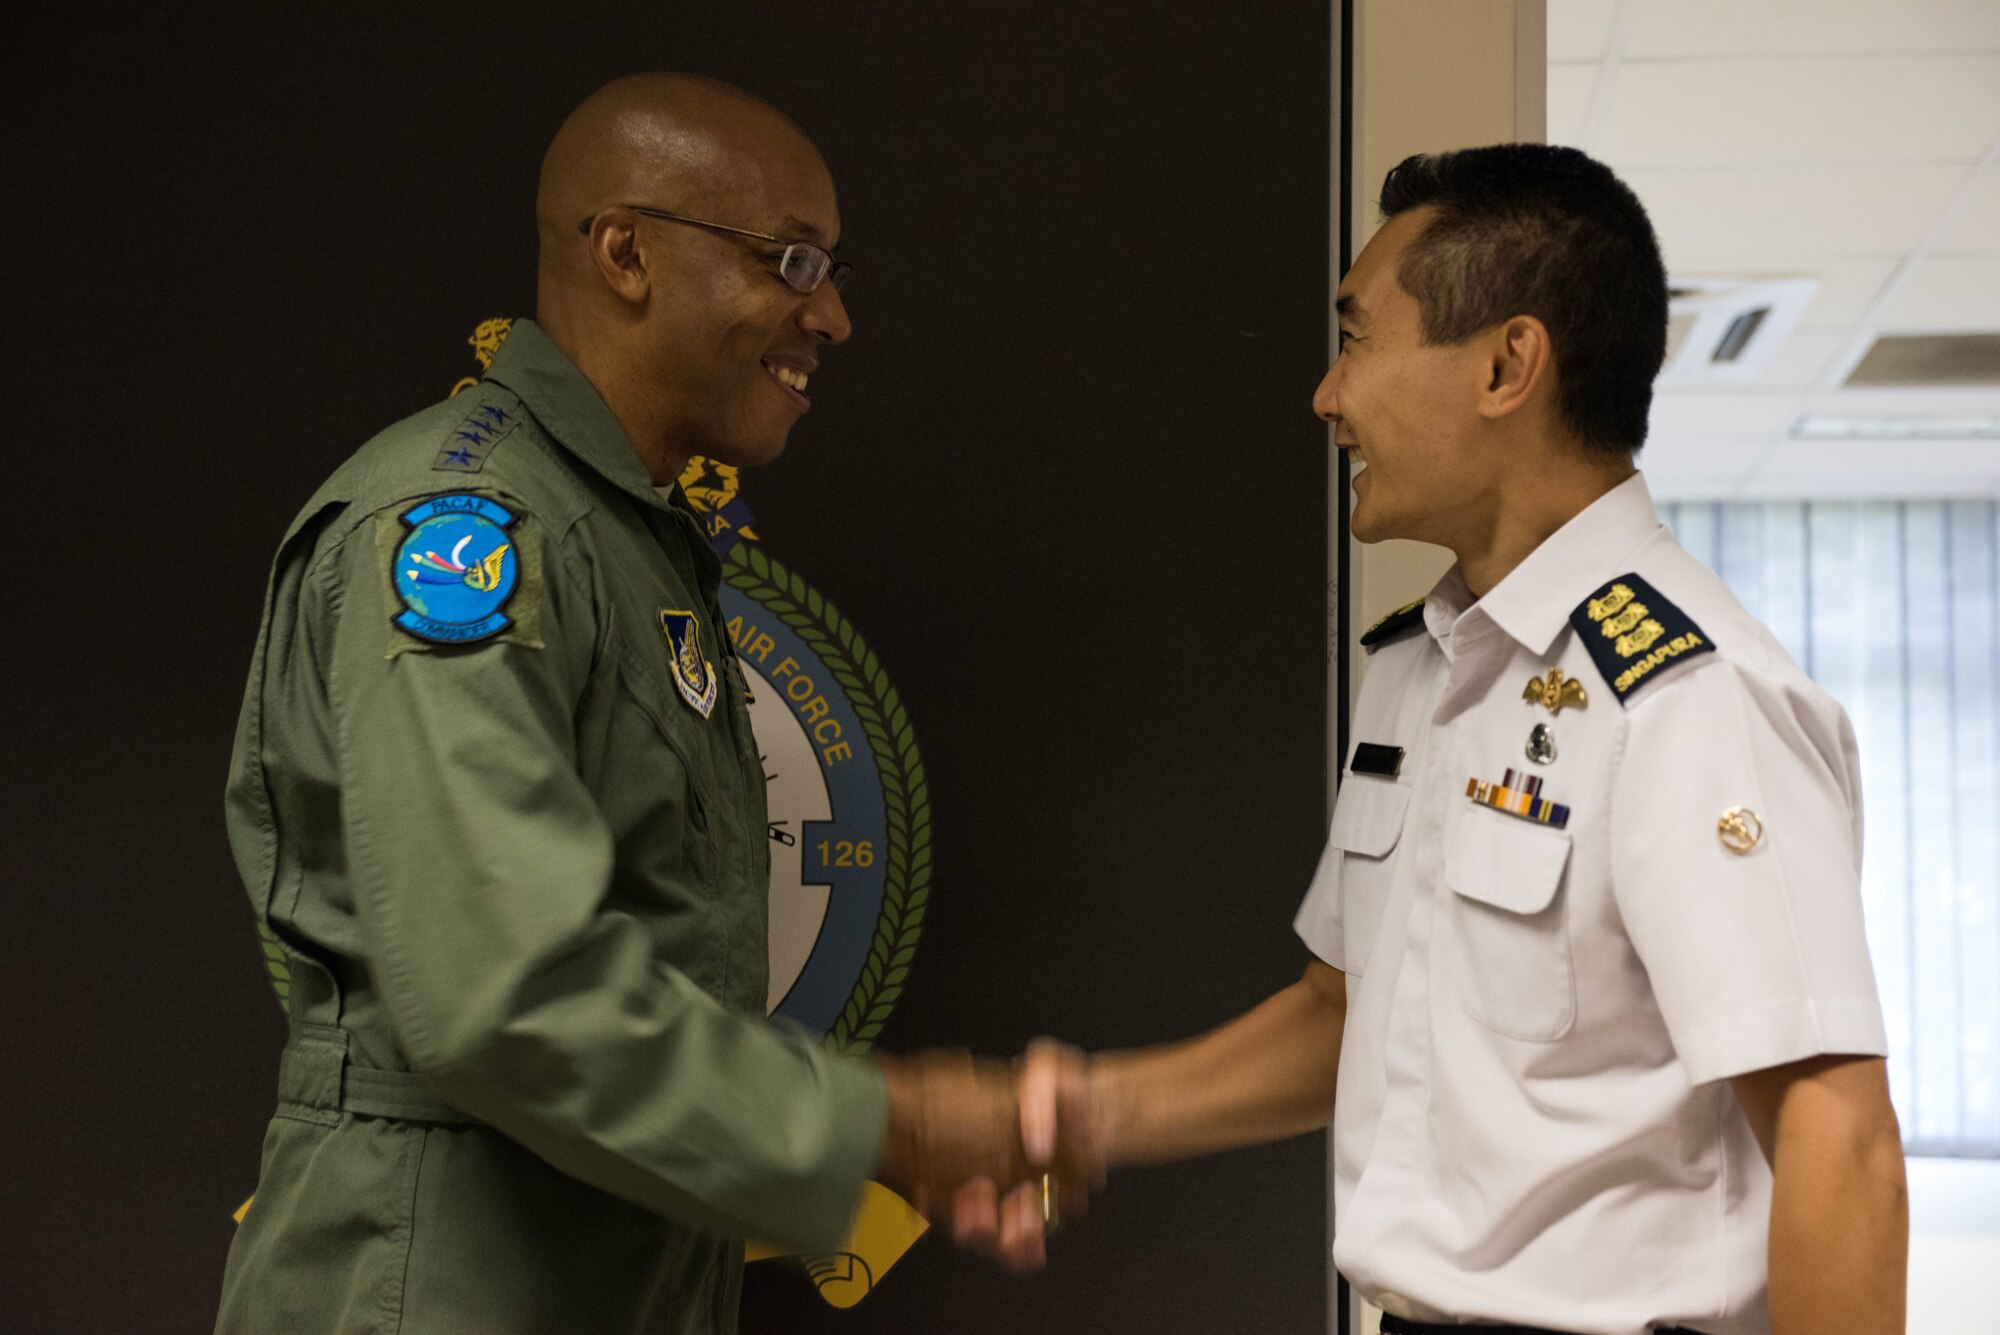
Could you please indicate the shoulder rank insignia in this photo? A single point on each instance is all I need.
(1389, 627)
(455, 569)
(693, 674)
(1631, 630)
(466, 448)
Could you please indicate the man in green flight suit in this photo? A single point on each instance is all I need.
(496, 793)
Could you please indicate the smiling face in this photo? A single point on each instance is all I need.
(1406, 413)
(730, 344)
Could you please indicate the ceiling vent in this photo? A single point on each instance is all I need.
(1929, 359)
(1722, 331)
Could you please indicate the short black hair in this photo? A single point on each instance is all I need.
(1535, 229)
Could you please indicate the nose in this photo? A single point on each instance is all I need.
(824, 315)
(1326, 399)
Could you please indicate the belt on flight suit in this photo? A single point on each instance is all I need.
(317, 1082)
(1395, 1325)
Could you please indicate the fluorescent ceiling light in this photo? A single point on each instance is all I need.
(1897, 428)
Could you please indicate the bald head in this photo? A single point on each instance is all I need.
(667, 208)
(680, 142)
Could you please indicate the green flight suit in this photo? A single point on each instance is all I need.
(522, 887)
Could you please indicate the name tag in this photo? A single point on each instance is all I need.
(1375, 758)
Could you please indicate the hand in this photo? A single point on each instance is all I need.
(952, 1117)
(1063, 1100)
(1065, 1132)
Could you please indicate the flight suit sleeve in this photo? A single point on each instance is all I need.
(481, 869)
(1757, 956)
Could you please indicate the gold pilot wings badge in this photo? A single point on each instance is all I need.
(694, 675)
(1555, 691)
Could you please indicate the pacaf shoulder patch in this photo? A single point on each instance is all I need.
(459, 572)
(1389, 627)
(1631, 631)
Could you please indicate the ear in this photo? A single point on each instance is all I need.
(1520, 366)
(618, 257)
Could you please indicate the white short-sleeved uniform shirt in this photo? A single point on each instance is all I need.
(1534, 1123)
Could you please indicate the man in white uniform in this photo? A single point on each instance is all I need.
(1591, 1010)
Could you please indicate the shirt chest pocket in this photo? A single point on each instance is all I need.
(1508, 923)
(1367, 826)
(660, 774)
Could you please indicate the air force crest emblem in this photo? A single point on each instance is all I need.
(693, 674)
(456, 569)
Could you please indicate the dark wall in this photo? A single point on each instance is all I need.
(1065, 478)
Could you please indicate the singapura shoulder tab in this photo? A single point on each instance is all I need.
(1389, 627)
(1631, 631)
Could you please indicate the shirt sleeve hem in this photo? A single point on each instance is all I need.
(1322, 936)
(1739, 1044)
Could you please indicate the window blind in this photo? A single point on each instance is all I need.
(1894, 609)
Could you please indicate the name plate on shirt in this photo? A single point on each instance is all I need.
(1375, 758)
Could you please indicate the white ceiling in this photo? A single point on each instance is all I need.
(1853, 142)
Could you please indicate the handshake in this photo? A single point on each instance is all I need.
(1011, 1151)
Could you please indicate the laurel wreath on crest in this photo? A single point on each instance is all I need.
(906, 880)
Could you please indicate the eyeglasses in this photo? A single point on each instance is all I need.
(802, 266)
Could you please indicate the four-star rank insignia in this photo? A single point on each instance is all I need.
(466, 448)
(693, 674)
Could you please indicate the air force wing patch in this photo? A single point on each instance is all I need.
(1632, 631)
(693, 674)
(455, 569)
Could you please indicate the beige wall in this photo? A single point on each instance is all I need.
(1431, 75)
(1428, 75)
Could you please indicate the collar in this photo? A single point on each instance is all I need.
(569, 408)
(1532, 604)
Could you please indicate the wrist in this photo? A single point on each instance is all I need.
(898, 1164)
(1115, 1107)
